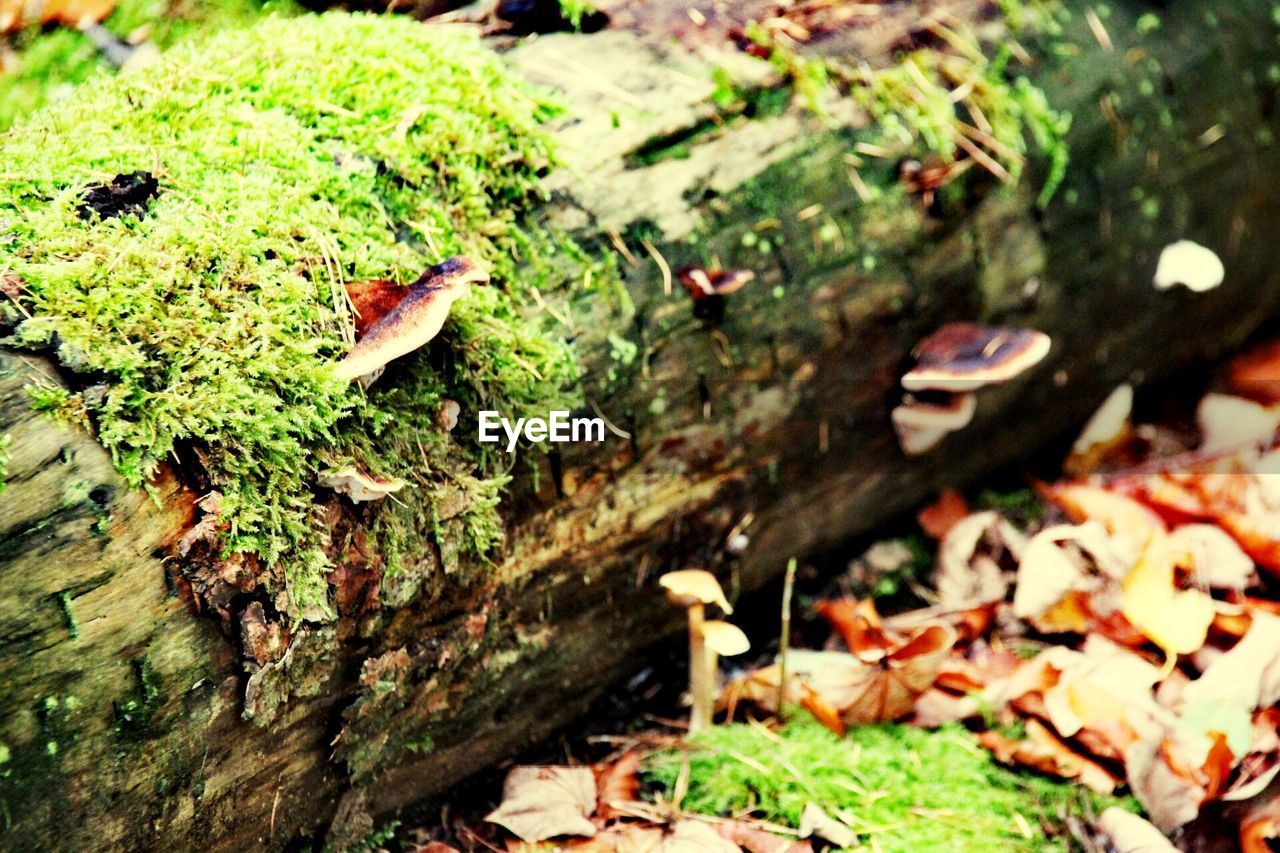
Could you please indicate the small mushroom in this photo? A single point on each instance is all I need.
(448, 414)
(357, 485)
(694, 589)
(415, 320)
(702, 284)
(1189, 264)
(708, 290)
(921, 424)
(967, 356)
(720, 638)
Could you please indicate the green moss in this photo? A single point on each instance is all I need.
(1022, 506)
(293, 156)
(938, 101)
(903, 788)
(49, 65)
(575, 11)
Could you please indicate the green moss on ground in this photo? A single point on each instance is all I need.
(290, 157)
(48, 65)
(904, 788)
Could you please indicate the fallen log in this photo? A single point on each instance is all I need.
(130, 720)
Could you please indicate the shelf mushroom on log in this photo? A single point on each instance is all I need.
(779, 413)
(951, 364)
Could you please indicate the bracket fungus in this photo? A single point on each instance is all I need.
(409, 323)
(967, 356)
(922, 423)
(693, 590)
(357, 485)
(954, 361)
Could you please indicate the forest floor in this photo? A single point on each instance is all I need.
(1079, 655)
(1018, 667)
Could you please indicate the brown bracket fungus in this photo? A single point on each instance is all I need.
(414, 320)
(694, 589)
(922, 423)
(357, 485)
(954, 361)
(967, 356)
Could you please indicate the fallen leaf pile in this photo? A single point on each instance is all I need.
(1131, 638)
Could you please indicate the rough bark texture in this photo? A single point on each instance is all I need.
(123, 713)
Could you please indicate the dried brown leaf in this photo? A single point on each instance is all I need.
(545, 802)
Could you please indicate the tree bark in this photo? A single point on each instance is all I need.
(128, 720)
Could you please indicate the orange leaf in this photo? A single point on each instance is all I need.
(1044, 752)
(857, 623)
(1116, 512)
(887, 689)
(1255, 373)
(823, 711)
(1217, 766)
(616, 783)
(940, 516)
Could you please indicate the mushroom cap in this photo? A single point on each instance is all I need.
(373, 299)
(688, 587)
(966, 356)
(357, 485)
(703, 283)
(449, 411)
(724, 638)
(415, 319)
(922, 424)
(1190, 265)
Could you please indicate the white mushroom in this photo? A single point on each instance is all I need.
(1190, 265)
(357, 485)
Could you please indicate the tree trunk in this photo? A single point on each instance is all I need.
(123, 718)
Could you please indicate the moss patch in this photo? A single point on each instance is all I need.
(959, 97)
(49, 65)
(905, 788)
(291, 157)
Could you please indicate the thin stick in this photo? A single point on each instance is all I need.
(784, 641)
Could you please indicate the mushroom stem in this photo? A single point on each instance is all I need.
(712, 663)
(699, 682)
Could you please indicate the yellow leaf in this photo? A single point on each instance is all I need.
(1175, 620)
